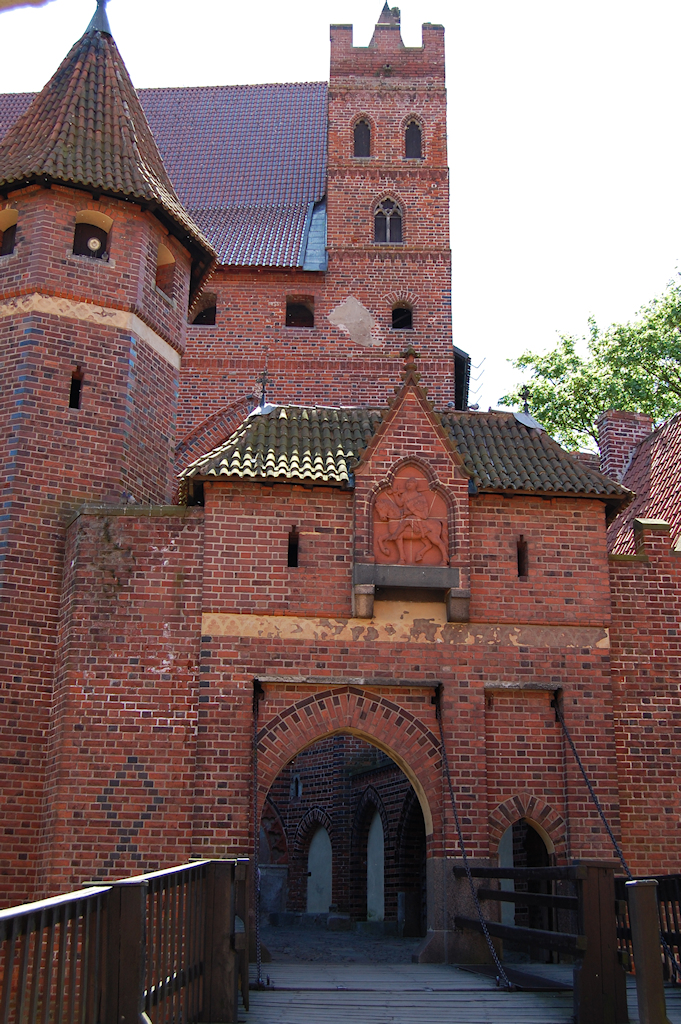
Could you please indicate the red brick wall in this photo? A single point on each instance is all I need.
(646, 652)
(247, 530)
(43, 259)
(121, 759)
(568, 561)
(618, 435)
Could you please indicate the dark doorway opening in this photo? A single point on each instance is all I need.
(343, 857)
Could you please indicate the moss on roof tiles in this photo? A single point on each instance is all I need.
(323, 445)
(87, 129)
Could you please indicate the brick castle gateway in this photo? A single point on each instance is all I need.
(349, 551)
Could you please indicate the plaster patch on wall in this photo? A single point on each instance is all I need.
(353, 318)
(413, 629)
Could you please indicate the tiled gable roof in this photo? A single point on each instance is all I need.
(87, 128)
(248, 162)
(655, 475)
(498, 452)
(293, 443)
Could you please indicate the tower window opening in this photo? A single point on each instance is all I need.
(388, 222)
(522, 558)
(207, 311)
(300, 311)
(76, 392)
(91, 236)
(165, 270)
(402, 318)
(412, 141)
(293, 544)
(362, 139)
(8, 231)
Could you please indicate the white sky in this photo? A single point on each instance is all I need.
(564, 142)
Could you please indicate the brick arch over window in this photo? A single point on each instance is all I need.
(315, 818)
(369, 716)
(370, 801)
(525, 805)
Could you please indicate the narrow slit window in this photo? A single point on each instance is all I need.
(293, 545)
(76, 392)
(412, 141)
(522, 558)
(362, 139)
(388, 222)
(402, 318)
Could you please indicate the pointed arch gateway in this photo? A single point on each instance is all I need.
(369, 716)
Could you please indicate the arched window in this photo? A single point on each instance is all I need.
(207, 310)
(165, 270)
(412, 141)
(362, 139)
(402, 317)
(8, 231)
(387, 222)
(91, 237)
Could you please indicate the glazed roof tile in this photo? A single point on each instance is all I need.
(87, 128)
(498, 452)
(291, 442)
(654, 473)
(247, 162)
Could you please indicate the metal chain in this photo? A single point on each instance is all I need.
(256, 839)
(559, 715)
(474, 892)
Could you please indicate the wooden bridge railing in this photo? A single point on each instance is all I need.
(599, 980)
(669, 906)
(172, 944)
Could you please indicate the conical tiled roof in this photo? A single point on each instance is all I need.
(87, 129)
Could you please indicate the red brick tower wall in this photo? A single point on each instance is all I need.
(646, 668)
(60, 313)
(387, 83)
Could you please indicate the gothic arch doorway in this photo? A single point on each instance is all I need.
(526, 844)
(351, 824)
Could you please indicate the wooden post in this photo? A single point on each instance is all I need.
(242, 943)
(600, 994)
(126, 915)
(645, 936)
(220, 994)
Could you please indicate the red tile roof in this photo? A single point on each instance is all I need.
(87, 128)
(655, 475)
(246, 161)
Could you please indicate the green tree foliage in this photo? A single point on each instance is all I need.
(634, 367)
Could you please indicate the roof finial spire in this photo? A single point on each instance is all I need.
(100, 22)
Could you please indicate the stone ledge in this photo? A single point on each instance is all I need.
(432, 577)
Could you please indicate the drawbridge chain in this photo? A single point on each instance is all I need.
(555, 704)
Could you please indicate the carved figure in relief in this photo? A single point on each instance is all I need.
(413, 518)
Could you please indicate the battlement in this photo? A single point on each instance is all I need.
(386, 56)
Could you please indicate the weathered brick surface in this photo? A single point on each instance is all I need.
(646, 675)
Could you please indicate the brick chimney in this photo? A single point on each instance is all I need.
(618, 435)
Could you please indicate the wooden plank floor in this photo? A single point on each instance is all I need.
(311, 993)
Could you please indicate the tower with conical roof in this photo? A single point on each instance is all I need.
(99, 265)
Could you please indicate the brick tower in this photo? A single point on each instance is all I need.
(99, 259)
(388, 197)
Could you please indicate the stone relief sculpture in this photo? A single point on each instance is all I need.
(410, 522)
